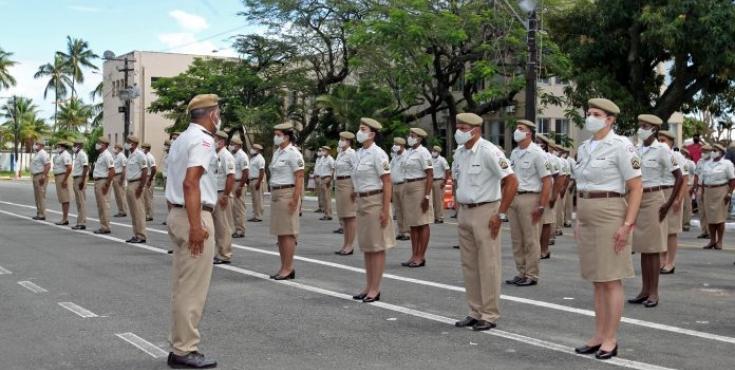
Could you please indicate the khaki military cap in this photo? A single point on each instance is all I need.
(719, 147)
(706, 148)
(347, 135)
(133, 139)
(469, 119)
(64, 143)
(326, 148)
(145, 146)
(437, 148)
(203, 101)
(399, 141)
(79, 141)
(284, 126)
(419, 131)
(167, 142)
(221, 134)
(526, 123)
(103, 140)
(369, 122)
(667, 134)
(118, 146)
(236, 140)
(604, 104)
(650, 119)
(257, 147)
(545, 139)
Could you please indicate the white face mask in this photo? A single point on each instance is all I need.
(644, 134)
(361, 136)
(412, 141)
(555, 153)
(59, 150)
(128, 146)
(462, 137)
(435, 154)
(395, 148)
(97, 146)
(76, 149)
(594, 124)
(231, 148)
(277, 140)
(519, 135)
(320, 153)
(253, 152)
(344, 144)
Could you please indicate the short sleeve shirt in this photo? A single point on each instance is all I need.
(164, 164)
(441, 166)
(417, 161)
(607, 167)
(481, 170)
(326, 166)
(564, 169)
(691, 170)
(656, 162)
(718, 172)
(39, 162)
(678, 160)
(372, 164)
(120, 162)
(151, 160)
(242, 163)
(285, 163)
(699, 169)
(257, 163)
(346, 162)
(61, 161)
(193, 148)
(137, 162)
(103, 164)
(80, 160)
(397, 173)
(530, 166)
(224, 166)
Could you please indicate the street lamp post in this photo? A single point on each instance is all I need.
(127, 94)
(532, 63)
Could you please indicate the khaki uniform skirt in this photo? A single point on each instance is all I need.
(599, 219)
(64, 195)
(549, 216)
(674, 219)
(371, 236)
(413, 194)
(346, 208)
(649, 235)
(283, 223)
(714, 201)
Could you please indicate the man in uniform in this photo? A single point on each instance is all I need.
(533, 170)
(690, 168)
(565, 172)
(63, 164)
(442, 174)
(549, 213)
(326, 172)
(118, 185)
(318, 182)
(398, 178)
(569, 198)
(242, 170)
(40, 166)
(224, 170)
(698, 182)
(257, 179)
(103, 175)
(148, 191)
(192, 193)
(486, 187)
(79, 172)
(136, 171)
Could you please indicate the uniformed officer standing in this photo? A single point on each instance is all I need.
(718, 181)
(119, 184)
(318, 182)
(549, 215)
(103, 175)
(417, 208)
(326, 172)
(690, 166)
(257, 180)
(698, 177)
(345, 166)
(63, 164)
(164, 161)
(398, 180)
(442, 174)
(79, 172)
(565, 172)
(242, 176)
(569, 202)
(607, 165)
(192, 193)
(224, 170)
(679, 191)
(40, 166)
(136, 171)
(486, 186)
(533, 170)
(148, 191)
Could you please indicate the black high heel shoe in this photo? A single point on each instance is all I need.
(638, 300)
(371, 299)
(606, 355)
(359, 297)
(290, 276)
(587, 350)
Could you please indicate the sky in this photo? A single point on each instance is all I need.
(33, 30)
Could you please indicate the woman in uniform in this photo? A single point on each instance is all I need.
(677, 190)
(372, 183)
(607, 166)
(346, 208)
(287, 185)
(718, 178)
(416, 203)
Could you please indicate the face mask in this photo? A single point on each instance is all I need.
(59, 150)
(395, 148)
(412, 141)
(644, 134)
(705, 156)
(277, 140)
(321, 153)
(231, 148)
(361, 136)
(594, 124)
(343, 143)
(128, 146)
(519, 135)
(435, 154)
(97, 146)
(253, 152)
(716, 155)
(462, 137)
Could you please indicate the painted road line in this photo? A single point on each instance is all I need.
(32, 287)
(533, 302)
(4, 271)
(143, 345)
(77, 309)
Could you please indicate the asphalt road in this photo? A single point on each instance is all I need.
(75, 300)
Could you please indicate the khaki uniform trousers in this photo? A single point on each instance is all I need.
(190, 277)
(480, 256)
(318, 188)
(525, 235)
(222, 232)
(687, 217)
(702, 210)
(80, 197)
(437, 192)
(119, 194)
(103, 204)
(39, 194)
(560, 212)
(257, 198)
(326, 187)
(148, 201)
(397, 201)
(568, 206)
(238, 211)
(137, 213)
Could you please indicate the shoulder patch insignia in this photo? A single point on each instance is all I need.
(503, 163)
(300, 163)
(635, 163)
(547, 165)
(673, 161)
(386, 166)
(428, 162)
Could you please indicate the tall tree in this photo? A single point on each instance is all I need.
(78, 55)
(97, 108)
(6, 79)
(74, 116)
(58, 79)
(18, 112)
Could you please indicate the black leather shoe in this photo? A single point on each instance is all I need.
(290, 276)
(709, 246)
(371, 299)
(164, 223)
(650, 304)
(638, 300)
(238, 235)
(38, 218)
(405, 264)
(170, 252)
(415, 265)
(438, 221)
(193, 360)
(79, 227)
(120, 215)
(62, 223)
(219, 261)
(468, 321)
(339, 231)
(606, 355)
(318, 211)
(403, 237)
(527, 282)
(664, 271)
(325, 218)
(359, 297)
(546, 256)
(514, 280)
(552, 242)
(587, 350)
(455, 246)
(135, 240)
(100, 231)
(255, 220)
(341, 253)
(149, 219)
(483, 325)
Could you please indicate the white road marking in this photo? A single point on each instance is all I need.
(32, 287)
(4, 271)
(532, 302)
(77, 309)
(143, 345)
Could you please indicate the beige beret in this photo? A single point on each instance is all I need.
(667, 134)
(284, 126)
(133, 139)
(79, 141)
(469, 119)
(604, 104)
(650, 119)
(399, 141)
(118, 146)
(177, 133)
(543, 138)
(706, 147)
(64, 143)
(437, 148)
(257, 146)
(526, 123)
(369, 122)
(419, 131)
(347, 135)
(221, 134)
(236, 140)
(719, 147)
(203, 101)
(146, 146)
(103, 140)
(326, 148)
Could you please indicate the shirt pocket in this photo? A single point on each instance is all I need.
(473, 174)
(603, 171)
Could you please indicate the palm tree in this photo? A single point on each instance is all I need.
(78, 55)
(74, 115)
(6, 80)
(59, 79)
(97, 108)
(18, 111)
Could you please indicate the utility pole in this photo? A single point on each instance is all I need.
(531, 68)
(126, 127)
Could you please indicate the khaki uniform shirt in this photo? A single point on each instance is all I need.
(371, 166)
(285, 163)
(257, 163)
(103, 164)
(62, 160)
(530, 166)
(120, 162)
(193, 148)
(479, 172)
(224, 165)
(80, 160)
(39, 162)
(669, 179)
(608, 165)
(324, 167)
(396, 169)
(242, 163)
(136, 163)
(719, 172)
(346, 162)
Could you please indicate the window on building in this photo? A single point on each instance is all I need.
(546, 81)
(116, 138)
(561, 126)
(496, 133)
(543, 125)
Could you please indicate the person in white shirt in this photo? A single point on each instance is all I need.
(718, 180)
(699, 191)
(256, 181)
(224, 171)
(398, 180)
(148, 191)
(675, 217)
(242, 177)
(79, 172)
(690, 166)
(40, 166)
(569, 202)
(549, 216)
(565, 172)
(318, 182)
(418, 210)
(345, 165)
(442, 174)
(62, 168)
(164, 169)
(103, 175)
(325, 173)
(118, 186)
(136, 172)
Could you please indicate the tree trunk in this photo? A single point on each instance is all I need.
(56, 104)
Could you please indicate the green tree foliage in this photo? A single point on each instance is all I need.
(78, 55)
(6, 79)
(21, 124)
(74, 116)
(58, 80)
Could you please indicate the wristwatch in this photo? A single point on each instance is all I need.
(502, 216)
(540, 208)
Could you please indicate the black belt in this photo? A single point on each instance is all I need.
(369, 193)
(132, 181)
(326, 177)
(279, 187)
(664, 187)
(527, 192)
(439, 179)
(714, 186)
(76, 177)
(653, 188)
(414, 180)
(474, 205)
(399, 183)
(343, 177)
(220, 191)
(100, 178)
(599, 195)
(205, 207)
